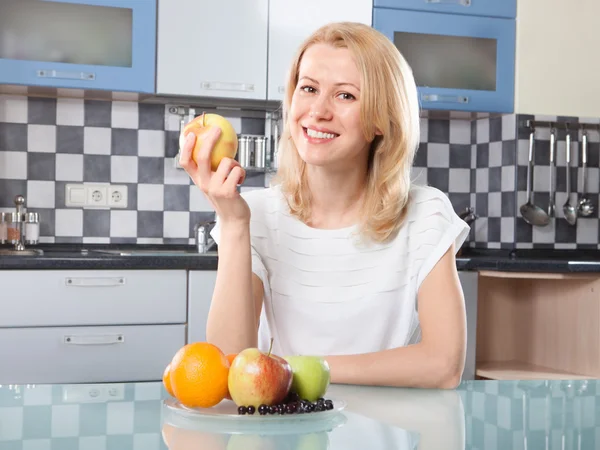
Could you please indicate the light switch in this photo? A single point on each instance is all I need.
(75, 195)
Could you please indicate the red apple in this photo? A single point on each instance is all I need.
(258, 378)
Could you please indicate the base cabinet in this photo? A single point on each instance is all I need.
(201, 284)
(469, 282)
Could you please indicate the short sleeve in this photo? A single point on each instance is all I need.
(434, 228)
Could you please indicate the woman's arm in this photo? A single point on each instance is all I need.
(435, 362)
(232, 323)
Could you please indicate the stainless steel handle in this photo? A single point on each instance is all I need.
(568, 163)
(69, 75)
(584, 157)
(444, 98)
(93, 339)
(225, 86)
(452, 2)
(95, 281)
(551, 203)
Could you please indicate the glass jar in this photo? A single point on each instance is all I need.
(13, 228)
(32, 228)
(3, 232)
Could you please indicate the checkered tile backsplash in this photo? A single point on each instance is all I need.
(46, 143)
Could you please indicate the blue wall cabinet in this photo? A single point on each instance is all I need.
(460, 63)
(489, 8)
(82, 44)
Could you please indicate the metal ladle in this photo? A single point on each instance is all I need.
(569, 211)
(585, 206)
(532, 214)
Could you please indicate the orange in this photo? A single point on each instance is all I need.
(167, 380)
(199, 374)
(230, 357)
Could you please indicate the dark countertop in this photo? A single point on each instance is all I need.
(185, 257)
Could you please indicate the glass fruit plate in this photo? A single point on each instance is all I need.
(224, 418)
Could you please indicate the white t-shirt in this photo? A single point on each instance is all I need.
(324, 295)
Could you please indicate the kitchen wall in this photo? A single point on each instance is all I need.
(46, 143)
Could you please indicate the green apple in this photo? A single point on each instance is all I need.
(310, 376)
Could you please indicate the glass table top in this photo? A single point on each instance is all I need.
(477, 415)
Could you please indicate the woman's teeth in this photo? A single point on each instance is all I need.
(319, 134)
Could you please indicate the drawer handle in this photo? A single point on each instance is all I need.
(444, 98)
(223, 86)
(94, 339)
(90, 76)
(453, 2)
(95, 282)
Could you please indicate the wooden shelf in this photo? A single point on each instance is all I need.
(517, 370)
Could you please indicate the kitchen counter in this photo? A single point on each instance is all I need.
(148, 257)
(478, 414)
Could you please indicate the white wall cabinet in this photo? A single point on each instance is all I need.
(292, 22)
(556, 64)
(212, 49)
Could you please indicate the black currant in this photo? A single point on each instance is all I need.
(251, 409)
(263, 409)
(242, 410)
(272, 409)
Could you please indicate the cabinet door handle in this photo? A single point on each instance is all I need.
(281, 89)
(223, 86)
(451, 2)
(94, 339)
(95, 281)
(444, 98)
(69, 75)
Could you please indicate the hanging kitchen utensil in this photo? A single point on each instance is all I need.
(532, 214)
(552, 196)
(585, 206)
(569, 211)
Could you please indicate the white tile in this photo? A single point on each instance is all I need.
(173, 175)
(509, 127)
(123, 169)
(92, 443)
(483, 131)
(65, 420)
(123, 223)
(459, 180)
(41, 138)
(119, 418)
(495, 204)
(147, 391)
(418, 176)
(176, 224)
(151, 143)
(587, 230)
(13, 165)
(69, 222)
(544, 235)
(37, 444)
(523, 151)
(47, 240)
(11, 423)
(482, 180)
(460, 132)
(96, 240)
(438, 155)
(13, 108)
(124, 115)
(198, 201)
(541, 179)
(40, 194)
(495, 154)
(508, 179)
(172, 121)
(150, 241)
(150, 197)
(424, 129)
(69, 167)
(96, 141)
(147, 441)
(69, 111)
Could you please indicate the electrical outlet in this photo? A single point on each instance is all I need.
(117, 196)
(96, 195)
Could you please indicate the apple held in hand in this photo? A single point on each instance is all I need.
(226, 145)
(257, 378)
(311, 376)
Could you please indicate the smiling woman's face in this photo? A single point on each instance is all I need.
(325, 109)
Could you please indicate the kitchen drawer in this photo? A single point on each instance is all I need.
(34, 298)
(489, 8)
(87, 354)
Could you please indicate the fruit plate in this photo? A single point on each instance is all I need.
(224, 418)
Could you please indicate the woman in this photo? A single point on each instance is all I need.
(341, 257)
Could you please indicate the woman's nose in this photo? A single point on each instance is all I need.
(320, 109)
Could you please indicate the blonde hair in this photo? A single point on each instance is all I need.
(388, 103)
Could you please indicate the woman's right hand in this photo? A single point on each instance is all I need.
(219, 187)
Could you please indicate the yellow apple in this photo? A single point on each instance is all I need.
(226, 145)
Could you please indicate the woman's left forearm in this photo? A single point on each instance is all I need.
(415, 366)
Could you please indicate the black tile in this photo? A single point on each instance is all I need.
(522, 131)
(473, 180)
(524, 231)
(97, 113)
(508, 204)
(41, 166)
(564, 233)
(177, 197)
(124, 142)
(59, 194)
(541, 199)
(253, 125)
(521, 178)
(460, 200)
(41, 111)
(96, 168)
(254, 180)
(509, 152)
(9, 189)
(438, 178)
(68, 240)
(132, 195)
(151, 170)
(495, 129)
(151, 116)
(593, 156)
(199, 216)
(47, 221)
(13, 137)
(150, 224)
(481, 204)
(495, 179)
(421, 156)
(123, 240)
(541, 153)
(493, 224)
(483, 155)
(473, 132)
(561, 179)
(438, 131)
(460, 156)
(69, 139)
(96, 223)
(176, 241)
(171, 143)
